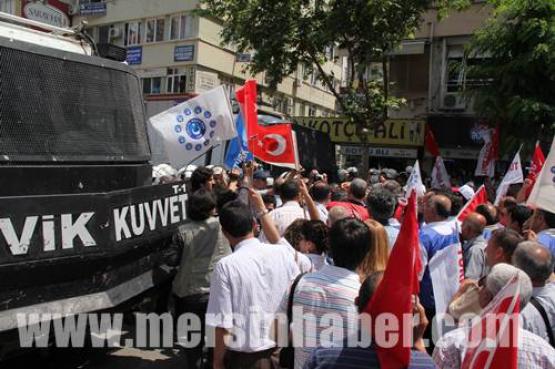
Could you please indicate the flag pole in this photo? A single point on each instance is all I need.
(297, 161)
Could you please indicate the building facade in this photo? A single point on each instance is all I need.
(429, 71)
(178, 55)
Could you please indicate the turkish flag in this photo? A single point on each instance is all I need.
(479, 198)
(538, 160)
(274, 144)
(431, 143)
(394, 294)
(246, 97)
(493, 340)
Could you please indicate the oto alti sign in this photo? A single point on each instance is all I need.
(406, 132)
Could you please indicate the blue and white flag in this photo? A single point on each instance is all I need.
(190, 129)
(238, 151)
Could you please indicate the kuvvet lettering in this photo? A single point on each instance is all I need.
(65, 231)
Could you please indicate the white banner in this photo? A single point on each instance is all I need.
(440, 178)
(543, 193)
(446, 272)
(485, 165)
(415, 182)
(190, 129)
(513, 176)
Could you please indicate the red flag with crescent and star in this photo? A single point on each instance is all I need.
(274, 144)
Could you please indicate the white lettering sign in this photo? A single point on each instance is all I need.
(46, 14)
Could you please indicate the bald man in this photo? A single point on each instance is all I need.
(536, 261)
(473, 245)
(335, 214)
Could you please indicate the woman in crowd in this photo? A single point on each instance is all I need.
(309, 237)
(378, 254)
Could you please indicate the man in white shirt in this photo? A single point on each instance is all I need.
(536, 261)
(245, 294)
(381, 206)
(290, 211)
(321, 194)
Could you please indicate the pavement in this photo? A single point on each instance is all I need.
(98, 358)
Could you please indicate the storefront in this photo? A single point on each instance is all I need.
(459, 144)
(394, 143)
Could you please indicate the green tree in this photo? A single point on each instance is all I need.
(517, 69)
(289, 34)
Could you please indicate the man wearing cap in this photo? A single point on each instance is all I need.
(259, 180)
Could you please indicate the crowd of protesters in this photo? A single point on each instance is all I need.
(256, 246)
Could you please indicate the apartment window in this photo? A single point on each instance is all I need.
(152, 85)
(104, 34)
(133, 33)
(7, 6)
(178, 27)
(155, 30)
(329, 53)
(311, 111)
(176, 81)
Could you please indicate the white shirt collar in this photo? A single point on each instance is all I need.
(253, 241)
(291, 203)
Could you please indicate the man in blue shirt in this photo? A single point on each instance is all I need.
(542, 223)
(438, 234)
(366, 357)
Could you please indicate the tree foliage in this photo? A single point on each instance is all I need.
(518, 68)
(287, 34)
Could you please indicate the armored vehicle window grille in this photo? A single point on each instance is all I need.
(53, 109)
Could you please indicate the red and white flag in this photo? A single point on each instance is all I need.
(543, 193)
(479, 198)
(536, 165)
(493, 339)
(414, 183)
(486, 160)
(513, 176)
(394, 294)
(440, 177)
(274, 144)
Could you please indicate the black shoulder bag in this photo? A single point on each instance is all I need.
(287, 354)
(545, 318)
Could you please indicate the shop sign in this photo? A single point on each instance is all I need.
(205, 81)
(470, 154)
(135, 55)
(402, 132)
(92, 9)
(383, 152)
(184, 53)
(41, 12)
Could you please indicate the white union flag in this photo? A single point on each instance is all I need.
(513, 176)
(190, 129)
(543, 193)
(440, 178)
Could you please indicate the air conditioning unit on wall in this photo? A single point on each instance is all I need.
(453, 101)
(115, 33)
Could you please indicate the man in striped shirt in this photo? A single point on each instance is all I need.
(362, 357)
(331, 290)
